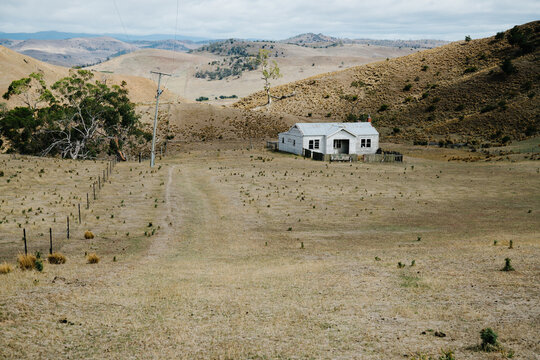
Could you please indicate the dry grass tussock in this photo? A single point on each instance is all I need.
(56, 258)
(5, 268)
(26, 262)
(88, 234)
(92, 258)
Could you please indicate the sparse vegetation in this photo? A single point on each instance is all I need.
(92, 258)
(5, 268)
(26, 262)
(88, 234)
(489, 340)
(507, 265)
(56, 258)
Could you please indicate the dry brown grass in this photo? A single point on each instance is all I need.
(456, 98)
(56, 258)
(88, 234)
(26, 262)
(224, 277)
(5, 268)
(92, 258)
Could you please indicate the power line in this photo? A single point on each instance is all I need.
(120, 17)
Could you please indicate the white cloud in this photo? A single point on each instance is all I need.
(271, 19)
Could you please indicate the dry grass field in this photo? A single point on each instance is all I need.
(295, 63)
(258, 255)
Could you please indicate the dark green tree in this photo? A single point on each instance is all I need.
(81, 118)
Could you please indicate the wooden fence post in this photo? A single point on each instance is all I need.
(94, 188)
(24, 239)
(87, 202)
(67, 226)
(50, 241)
(99, 181)
(79, 213)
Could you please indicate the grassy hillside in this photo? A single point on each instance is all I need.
(210, 71)
(14, 66)
(457, 91)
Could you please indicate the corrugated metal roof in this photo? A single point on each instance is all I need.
(356, 128)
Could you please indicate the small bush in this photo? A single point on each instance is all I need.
(88, 234)
(407, 87)
(26, 262)
(460, 107)
(56, 258)
(499, 36)
(507, 67)
(470, 69)
(489, 340)
(39, 265)
(92, 258)
(467, 38)
(507, 265)
(400, 265)
(425, 67)
(383, 107)
(487, 108)
(430, 108)
(5, 268)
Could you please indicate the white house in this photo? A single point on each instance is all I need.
(330, 138)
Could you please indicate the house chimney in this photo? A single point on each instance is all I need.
(369, 118)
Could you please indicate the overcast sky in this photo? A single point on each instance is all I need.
(271, 19)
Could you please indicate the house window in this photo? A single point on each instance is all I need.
(313, 144)
(337, 144)
(283, 140)
(368, 143)
(365, 143)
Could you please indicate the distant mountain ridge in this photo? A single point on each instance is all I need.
(314, 40)
(79, 49)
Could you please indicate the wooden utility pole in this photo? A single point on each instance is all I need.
(153, 155)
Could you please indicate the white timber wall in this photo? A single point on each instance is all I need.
(367, 150)
(291, 142)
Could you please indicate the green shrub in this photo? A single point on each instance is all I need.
(383, 107)
(507, 67)
(467, 38)
(460, 107)
(487, 108)
(430, 108)
(499, 36)
(489, 339)
(201, 98)
(39, 265)
(507, 265)
(470, 69)
(425, 67)
(407, 87)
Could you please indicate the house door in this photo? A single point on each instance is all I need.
(341, 146)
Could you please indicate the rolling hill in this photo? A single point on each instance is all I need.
(296, 63)
(457, 92)
(14, 66)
